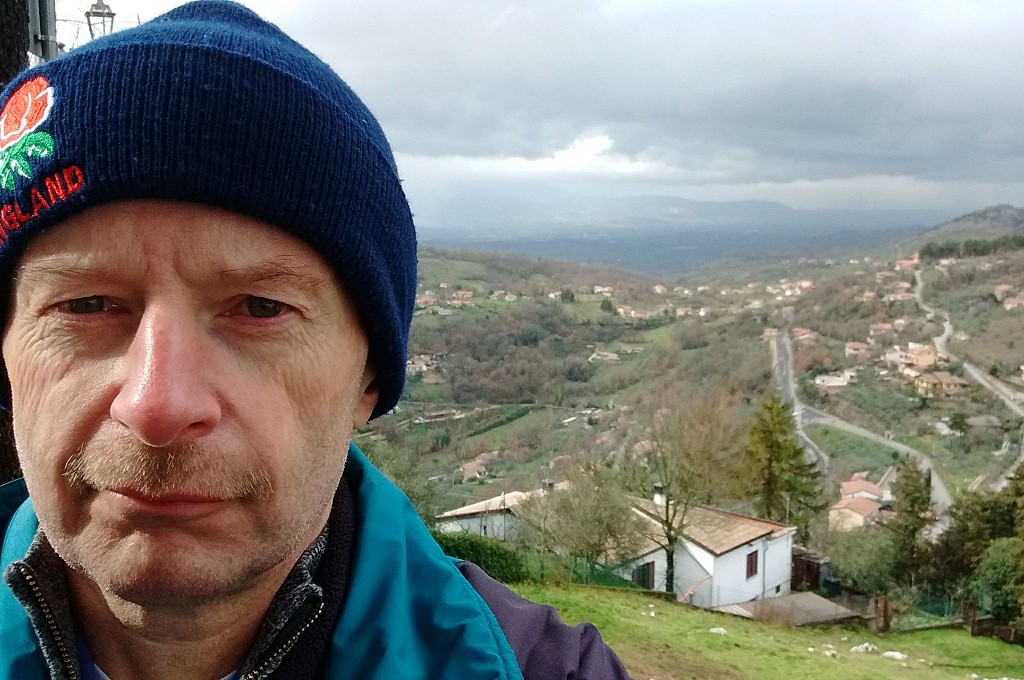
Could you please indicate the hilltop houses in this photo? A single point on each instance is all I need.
(853, 512)
(862, 502)
(1013, 303)
(939, 384)
(1002, 291)
(858, 351)
(803, 335)
(907, 264)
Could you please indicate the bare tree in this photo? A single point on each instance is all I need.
(693, 458)
(588, 517)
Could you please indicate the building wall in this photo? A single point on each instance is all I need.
(660, 568)
(728, 583)
(697, 567)
(779, 565)
(844, 519)
(502, 526)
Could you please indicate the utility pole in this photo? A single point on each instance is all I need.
(13, 38)
(42, 22)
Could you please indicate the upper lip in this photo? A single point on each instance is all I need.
(167, 496)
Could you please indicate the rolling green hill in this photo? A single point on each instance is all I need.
(991, 222)
(660, 640)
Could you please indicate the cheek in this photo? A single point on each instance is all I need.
(54, 398)
(323, 384)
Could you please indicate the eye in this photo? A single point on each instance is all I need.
(262, 308)
(88, 305)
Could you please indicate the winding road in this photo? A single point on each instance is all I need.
(1007, 396)
(783, 361)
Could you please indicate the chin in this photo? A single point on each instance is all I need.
(156, 572)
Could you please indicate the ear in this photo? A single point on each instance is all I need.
(367, 399)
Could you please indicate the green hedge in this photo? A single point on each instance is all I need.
(498, 559)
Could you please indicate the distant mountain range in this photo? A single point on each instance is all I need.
(653, 234)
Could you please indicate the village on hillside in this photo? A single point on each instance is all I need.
(869, 348)
(867, 343)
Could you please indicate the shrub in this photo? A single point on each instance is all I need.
(499, 560)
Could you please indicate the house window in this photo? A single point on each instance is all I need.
(643, 575)
(752, 564)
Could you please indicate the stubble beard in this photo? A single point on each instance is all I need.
(128, 562)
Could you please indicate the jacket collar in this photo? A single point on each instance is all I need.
(409, 612)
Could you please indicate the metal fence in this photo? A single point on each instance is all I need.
(594, 573)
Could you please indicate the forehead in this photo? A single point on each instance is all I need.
(146, 237)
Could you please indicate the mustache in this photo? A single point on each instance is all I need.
(189, 469)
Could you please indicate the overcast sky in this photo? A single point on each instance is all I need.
(843, 103)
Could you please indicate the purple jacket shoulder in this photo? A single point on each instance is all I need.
(545, 647)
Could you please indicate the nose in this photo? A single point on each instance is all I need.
(167, 396)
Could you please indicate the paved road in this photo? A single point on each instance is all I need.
(940, 494)
(782, 353)
(782, 356)
(1007, 395)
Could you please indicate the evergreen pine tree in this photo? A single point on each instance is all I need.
(912, 492)
(785, 484)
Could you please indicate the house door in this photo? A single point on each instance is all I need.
(643, 575)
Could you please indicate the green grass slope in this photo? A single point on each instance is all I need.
(660, 640)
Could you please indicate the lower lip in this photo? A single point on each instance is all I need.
(169, 507)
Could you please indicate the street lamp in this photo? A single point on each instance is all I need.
(100, 19)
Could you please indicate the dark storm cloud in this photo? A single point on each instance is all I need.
(766, 97)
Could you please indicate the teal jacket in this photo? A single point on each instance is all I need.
(409, 612)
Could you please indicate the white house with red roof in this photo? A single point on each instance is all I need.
(853, 512)
(857, 350)
(725, 558)
(495, 517)
(861, 488)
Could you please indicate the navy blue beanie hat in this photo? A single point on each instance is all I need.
(210, 104)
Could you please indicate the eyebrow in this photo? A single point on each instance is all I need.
(277, 271)
(52, 269)
(281, 270)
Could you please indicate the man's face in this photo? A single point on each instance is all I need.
(185, 382)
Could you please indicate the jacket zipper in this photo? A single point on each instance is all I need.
(65, 655)
(274, 657)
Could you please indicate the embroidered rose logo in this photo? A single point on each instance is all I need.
(25, 111)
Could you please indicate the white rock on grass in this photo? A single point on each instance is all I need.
(864, 648)
(718, 631)
(899, 656)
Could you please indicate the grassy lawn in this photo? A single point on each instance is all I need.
(850, 453)
(958, 468)
(660, 336)
(675, 643)
(885, 403)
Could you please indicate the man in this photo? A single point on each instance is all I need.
(211, 267)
